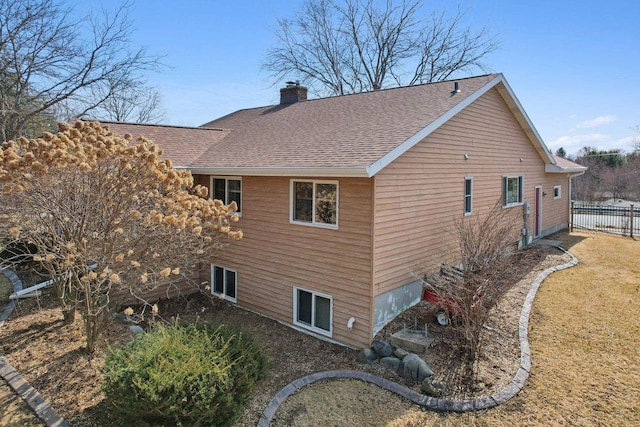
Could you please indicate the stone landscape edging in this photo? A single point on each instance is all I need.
(40, 406)
(445, 405)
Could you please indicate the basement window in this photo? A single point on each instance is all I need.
(224, 283)
(313, 311)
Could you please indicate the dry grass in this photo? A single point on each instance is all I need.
(585, 340)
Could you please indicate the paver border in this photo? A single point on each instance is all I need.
(443, 405)
(34, 399)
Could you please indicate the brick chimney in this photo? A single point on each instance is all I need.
(293, 93)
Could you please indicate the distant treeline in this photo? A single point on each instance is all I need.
(611, 174)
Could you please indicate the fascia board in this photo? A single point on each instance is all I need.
(330, 172)
(558, 169)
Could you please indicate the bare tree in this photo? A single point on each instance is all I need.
(138, 104)
(49, 67)
(347, 46)
(106, 217)
(486, 245)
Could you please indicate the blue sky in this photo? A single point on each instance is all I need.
(574, 65)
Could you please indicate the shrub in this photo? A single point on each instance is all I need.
(194, 375)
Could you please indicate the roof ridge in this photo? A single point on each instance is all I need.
(387, 89)
(107, 122)
(357, 93)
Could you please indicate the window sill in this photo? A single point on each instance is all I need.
(512, 205)
(313, 329)
(224, 297)
(314, 224)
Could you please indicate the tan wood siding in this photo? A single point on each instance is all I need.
(275, 256)
(421, 194)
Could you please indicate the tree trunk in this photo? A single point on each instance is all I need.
(69, 315)
(92, 331)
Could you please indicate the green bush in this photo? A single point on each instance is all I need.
(194, 375)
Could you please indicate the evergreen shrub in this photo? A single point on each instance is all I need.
(190, 375)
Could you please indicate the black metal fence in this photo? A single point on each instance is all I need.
(604, 217)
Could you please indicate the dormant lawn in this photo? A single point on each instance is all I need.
(585, 342)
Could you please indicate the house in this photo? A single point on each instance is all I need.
(344, 199)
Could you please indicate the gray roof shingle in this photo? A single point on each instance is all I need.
(345, 131)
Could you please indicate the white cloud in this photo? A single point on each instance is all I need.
(580, 139)
(572, 144)
(598, 121)
(573, 116)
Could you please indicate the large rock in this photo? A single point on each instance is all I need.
(366, 355)
(382, 348)
(136, 329)
(432, 388)
(390, 363)
(400, 352)
(414, 368)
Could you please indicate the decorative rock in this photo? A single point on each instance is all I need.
(136, 329)
(382, 348)
(367, 356)
(431, 388)
(414, 368)
(391, 363)
(400, 353)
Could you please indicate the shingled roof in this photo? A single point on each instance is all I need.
(183, 145)
(349, 135)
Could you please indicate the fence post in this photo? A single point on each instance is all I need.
(571, 217)
(631, 214)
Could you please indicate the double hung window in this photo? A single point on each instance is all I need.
(314, 203)
(512, 190)
(468, 195)
(227, 190)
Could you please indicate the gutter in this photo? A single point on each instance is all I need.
(329, 172)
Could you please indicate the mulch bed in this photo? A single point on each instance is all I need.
(50, 354)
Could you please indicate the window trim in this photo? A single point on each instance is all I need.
(559, 188)
(505, 184)
(224, 285)
(469, 196)
(226, 189)
(312, 327)
(312, 223)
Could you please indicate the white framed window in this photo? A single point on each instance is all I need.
(314, 203)
(227, 189)
(468, 195)
(313, 311)
(224, 283)
(557, 192)
(512, 190)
